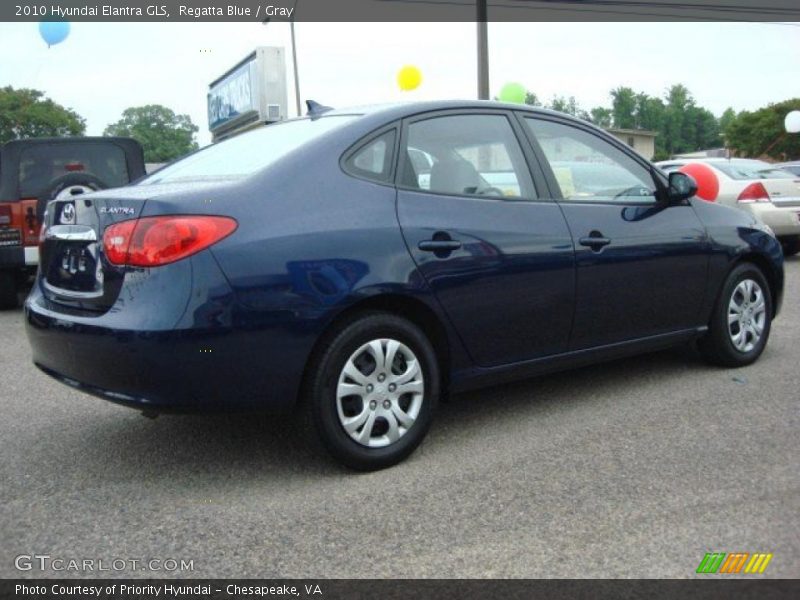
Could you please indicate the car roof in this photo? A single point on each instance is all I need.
(374, 116)
(400, 110)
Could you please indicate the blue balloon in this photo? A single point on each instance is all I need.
(54, 32)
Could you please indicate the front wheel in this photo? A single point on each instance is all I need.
(741, 321)
(372, 391)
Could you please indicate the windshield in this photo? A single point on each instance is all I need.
(752, 169)
(247, 153)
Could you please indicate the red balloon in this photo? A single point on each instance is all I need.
(707, 180)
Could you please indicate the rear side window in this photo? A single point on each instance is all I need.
(373, 160)
(467, 155)
(40, 164)
(590, 169)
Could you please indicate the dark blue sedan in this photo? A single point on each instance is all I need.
(359, 264)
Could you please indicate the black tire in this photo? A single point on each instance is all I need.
(8, 290)
(716, 346)
(59, 184)
(319, 413)
(791, 245)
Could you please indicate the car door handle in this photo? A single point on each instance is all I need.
(439, 245)
(594, 240)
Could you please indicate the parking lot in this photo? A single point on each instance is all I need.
(630, 469)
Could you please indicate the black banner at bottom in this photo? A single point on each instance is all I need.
(418, 589)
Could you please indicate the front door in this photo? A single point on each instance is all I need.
(641, 263)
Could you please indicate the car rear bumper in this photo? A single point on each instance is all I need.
(174, 370)
(784, 221)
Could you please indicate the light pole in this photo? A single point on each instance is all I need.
(295, 71)
(294, 63)
(483, 51)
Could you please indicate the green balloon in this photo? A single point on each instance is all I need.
(514, 93)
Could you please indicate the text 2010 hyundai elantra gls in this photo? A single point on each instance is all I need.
(358, 264)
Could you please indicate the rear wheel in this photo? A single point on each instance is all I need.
(372, 391)
(740, 325)
(8, 290)
(791, 245)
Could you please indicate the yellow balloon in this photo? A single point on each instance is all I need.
(409, 78)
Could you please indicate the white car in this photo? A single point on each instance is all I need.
(767, 191)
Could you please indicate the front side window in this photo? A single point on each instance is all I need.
(590, 169)
(467, 155)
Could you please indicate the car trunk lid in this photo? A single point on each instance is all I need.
(783, 192)
(74, 270)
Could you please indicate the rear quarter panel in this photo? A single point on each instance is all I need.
(312, 242)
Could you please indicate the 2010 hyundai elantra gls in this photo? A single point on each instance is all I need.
(356, 265)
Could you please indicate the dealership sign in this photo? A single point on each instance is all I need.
(232, 97)
(251, 93)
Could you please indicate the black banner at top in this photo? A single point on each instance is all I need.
(398, 10)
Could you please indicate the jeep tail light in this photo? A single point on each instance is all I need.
(156, 241)
(5, 215)
(755, 192)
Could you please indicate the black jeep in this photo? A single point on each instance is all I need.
(35, 171)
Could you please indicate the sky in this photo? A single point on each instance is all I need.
(103, 68)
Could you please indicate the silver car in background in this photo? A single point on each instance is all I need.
(768, 191)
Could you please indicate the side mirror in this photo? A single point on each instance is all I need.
(681, 186)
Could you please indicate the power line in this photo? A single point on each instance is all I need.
(581, 6)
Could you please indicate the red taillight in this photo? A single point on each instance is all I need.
(155, 241)
(755, 192)
(5, 214)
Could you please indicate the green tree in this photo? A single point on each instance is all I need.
(26, 113)
(728, 117)
(623, 106)
(762, 132)
(569, 106)
(602, 117)
(532, 99)
(163, 134)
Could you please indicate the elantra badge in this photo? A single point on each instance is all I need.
(68, 214)
(116, 210)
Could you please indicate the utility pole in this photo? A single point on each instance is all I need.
(294, 60)
(483, 51)
(294, 65)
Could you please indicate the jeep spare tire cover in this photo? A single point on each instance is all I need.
(71, 184)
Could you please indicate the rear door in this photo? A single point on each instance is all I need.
(641, 263)
(497, 254)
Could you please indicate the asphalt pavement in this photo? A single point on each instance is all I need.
(635, 468)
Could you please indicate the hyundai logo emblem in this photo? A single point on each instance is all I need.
(68, 214)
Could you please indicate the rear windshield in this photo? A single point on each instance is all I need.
(792, 169)
(247, 153)
(752, 170)
(40, 164)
